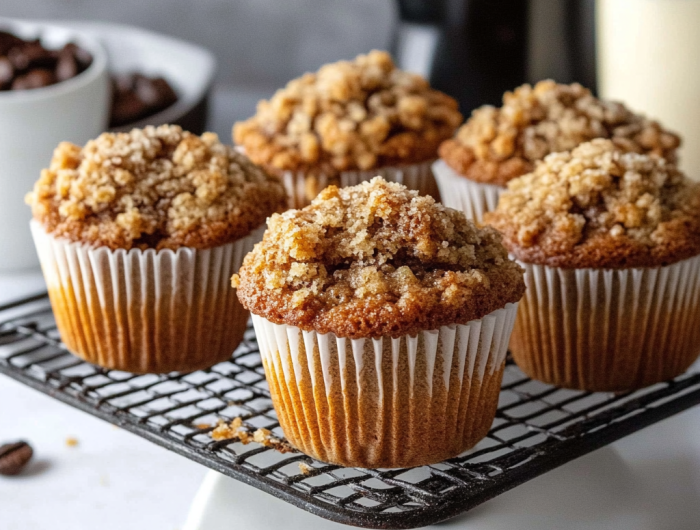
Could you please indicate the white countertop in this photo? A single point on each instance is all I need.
(116, 480)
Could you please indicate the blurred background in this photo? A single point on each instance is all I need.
(261, 44)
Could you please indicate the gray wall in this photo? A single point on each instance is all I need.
(259, 43)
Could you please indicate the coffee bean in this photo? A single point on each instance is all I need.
(34, 79)
(14, 456)
(136, 96)
(67, 66)
(7, 73)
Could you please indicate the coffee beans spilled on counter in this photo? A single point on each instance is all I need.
(14, 456)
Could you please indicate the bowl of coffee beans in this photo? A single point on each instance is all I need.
(54, 87)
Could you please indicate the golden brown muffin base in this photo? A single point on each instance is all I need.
(355, 429)
(572, 335)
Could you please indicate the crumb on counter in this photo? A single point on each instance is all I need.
(72, 442)
(359, 114)
(496, 145)
(235, 430)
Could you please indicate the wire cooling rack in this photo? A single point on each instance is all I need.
(538, 427)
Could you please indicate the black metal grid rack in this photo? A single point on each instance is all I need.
(538, 427)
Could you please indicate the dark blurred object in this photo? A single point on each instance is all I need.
(136, 96)
(475, 50)
(14, 456)
(27, 64)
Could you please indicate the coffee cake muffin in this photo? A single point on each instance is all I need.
(610, 241)
(383, 320)
(497, 145)
(138, 234)
(347, 123)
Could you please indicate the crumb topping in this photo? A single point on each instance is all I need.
(153, 188)
(498, 144)
(599, 206)
(360, 114)
(237, 431)
(376, 259)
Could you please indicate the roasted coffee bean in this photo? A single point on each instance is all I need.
(82, 56)
(67, 66)
(34, 79)
(7, 73)
(14, 456)
(8, 41)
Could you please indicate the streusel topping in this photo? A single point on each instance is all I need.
(359, 114)
(599, 206)
(153, 188)
(376, 259)
(498, 144)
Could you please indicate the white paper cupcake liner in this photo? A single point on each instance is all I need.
(145, 311)
(460, 193)
(598, 329)
(302, 188)
(386, 402)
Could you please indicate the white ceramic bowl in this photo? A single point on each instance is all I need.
(33, 123)
(187, 67)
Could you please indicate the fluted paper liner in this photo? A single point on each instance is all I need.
(608, 330)
(460, 193)
(145, 311)
(386, 402)
(415, 177)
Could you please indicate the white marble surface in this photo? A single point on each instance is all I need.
(112, 480)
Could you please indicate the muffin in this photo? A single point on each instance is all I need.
(383, 320)
(499, 144)
(347, 123)
(138, 234)
(610, 242)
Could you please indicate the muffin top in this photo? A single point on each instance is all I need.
(499, 144)
(350, 115)
(153, 188)
(376, 259)
(602, 207)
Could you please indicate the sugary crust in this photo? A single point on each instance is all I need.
(374, 260)
(361, 114)
(600, 207)
(153, 188)
(499, 144)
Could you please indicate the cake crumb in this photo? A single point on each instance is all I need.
(72, 442)
(235, 430)
(305, 468)
(202, 425)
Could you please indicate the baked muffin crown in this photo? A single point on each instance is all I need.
(153, 188)
(361, 114)
(376, 259)
(599, 206)
(496, 145)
